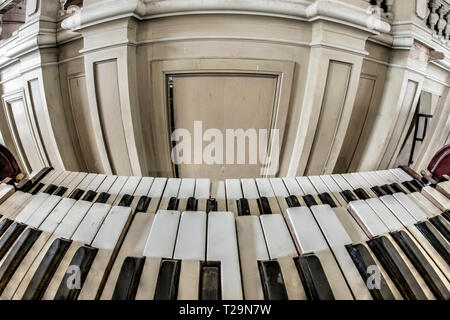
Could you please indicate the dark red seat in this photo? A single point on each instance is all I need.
(440, 164)
(8, 164)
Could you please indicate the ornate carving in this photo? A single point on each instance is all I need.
(442, 22)
(433, 17)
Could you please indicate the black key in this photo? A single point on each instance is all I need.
(387, 188)
(309, 200)
(4, 225)
(191, 204)
(396, 187)
(421, 264)
(314, 279)
(363, 262)
(264, 206)
(210, 282)
(442, 225)
(90, 196)
(361, 194)
(50, 189)
(44, 273)
(16, 255)
(446, 215)
(103, 197)
(211, 205)
(37, 188)
(243, 207)
(272, 280)
(436, 239)
(78, 270)
(292, 201)
(60, 191)
(326, 199)
(348, 195)
(143, 204)
(126, 200)
(10, 236)
(173, 204)
(396, 268)
(128, 282)
(26, 185)
(76, 194)
(411, 188)
(418, 184)
(378, 191)
(167, 283)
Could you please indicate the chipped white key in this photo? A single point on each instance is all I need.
(399, 211)
(383, 212)
(72, 219)
(191, 237)
(57, 215)
(409, 205)
(44, 210)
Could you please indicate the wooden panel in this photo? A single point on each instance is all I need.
(357, 123)
(108, 101)
(24, 136)
(81, 114)
(223, 102)
(330, 116)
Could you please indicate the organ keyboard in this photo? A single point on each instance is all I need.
(369, 235)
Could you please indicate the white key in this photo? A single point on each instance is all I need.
(438, 199)
(106, 184)
(337, 239)
(401, 213)
(118, 185)
(331, 184)
(62, 177)
(402, 175)
(318, 184)
(233, 187)
(306, 185)
(130, 186)
(249, 189)
(279, 188)
(163, 234)
(307, 233)
(218, 190)
(143, 187)
(369, 178)
(187, 188)
(341, 182)
(377, 178)
(387, 177)
(44, 210)
(5, 192)
(278, 238)
(157, 188)
(57, 215)
(31, 207)
(222, 246)
(361, 181)
(172, 187)
(112, 227)
(88, 228)
(96, 182)
(372, 223)
(87, 181)
(351, 180)
(202, 188)
(332, 228)
(191, 237)
(265, 188)
(409, 205)
(293, 187)
(383, 212)
(425, 203)
(72, 219)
